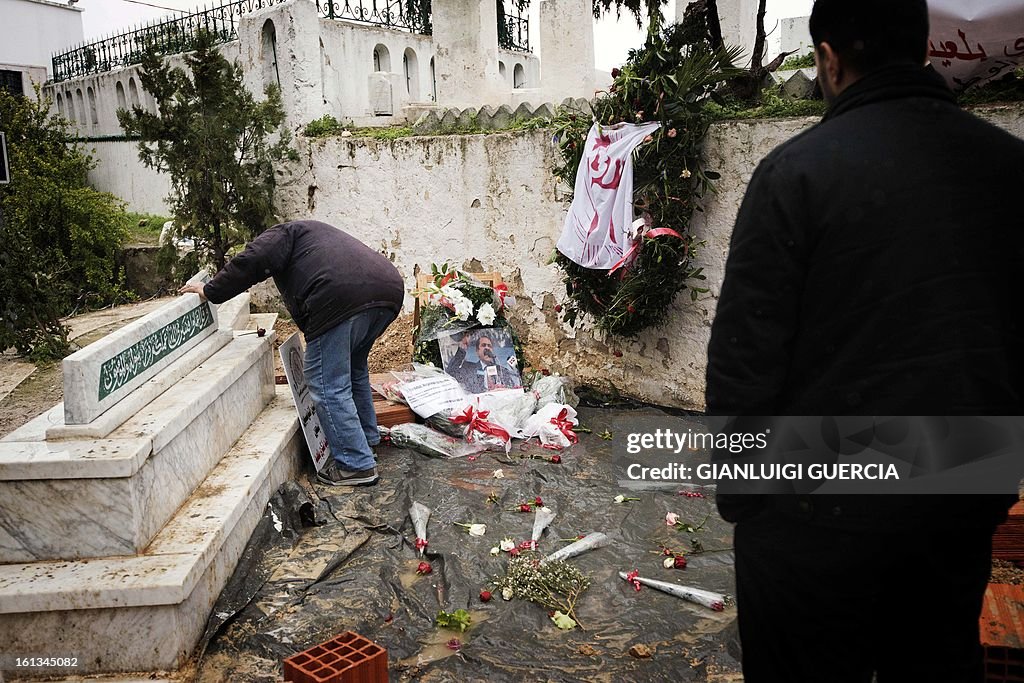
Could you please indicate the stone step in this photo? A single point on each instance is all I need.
(96, 498)
(147, 612)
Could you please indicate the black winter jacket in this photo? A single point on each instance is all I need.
(877, 268)
(324, 274)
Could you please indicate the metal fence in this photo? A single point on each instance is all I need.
(514, 27)
(177, 34)
(166, 36)
(403, 15)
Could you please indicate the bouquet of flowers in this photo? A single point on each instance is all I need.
(588, 542)
(542, 519)
(553, 389)
(709, 599)
(456, 302)
(556, 586)
(420, 513)
(425, 440)
(553, 424)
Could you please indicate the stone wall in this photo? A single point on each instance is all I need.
(489, 202)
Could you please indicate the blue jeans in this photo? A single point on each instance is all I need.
(338, 377)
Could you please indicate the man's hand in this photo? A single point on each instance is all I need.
(464, 342)
(194, 288)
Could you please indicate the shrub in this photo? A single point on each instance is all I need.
(59, 239)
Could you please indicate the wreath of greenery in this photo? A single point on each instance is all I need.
(668, 80)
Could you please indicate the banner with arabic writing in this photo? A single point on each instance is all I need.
(973, 42)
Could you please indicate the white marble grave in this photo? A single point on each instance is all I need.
(117, 535)
(103, 373)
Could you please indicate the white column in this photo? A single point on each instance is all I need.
(566, 49)
(466, 52)
(297, 52)
(738, 19)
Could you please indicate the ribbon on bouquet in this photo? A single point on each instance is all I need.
(502, 291)
(476, 421)
(565, 426)
(635, 249)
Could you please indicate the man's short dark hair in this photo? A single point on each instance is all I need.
(870, 34)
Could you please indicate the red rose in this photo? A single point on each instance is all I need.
(558, 308)
(525, 507)
(485, 596)
(545, 372)
(615, 73)
(556, 459)
(514, 552)
(538, 501)
(424, 568)
(631, 309)
(680, 562)
(617, 353)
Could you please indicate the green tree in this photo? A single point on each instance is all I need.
(59, 239)
(213, 138)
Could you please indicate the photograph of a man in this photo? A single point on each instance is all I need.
(481, 360)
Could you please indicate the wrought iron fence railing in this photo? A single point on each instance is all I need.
(167, 36)
(404, 15)
(177, 34)
(514, 26)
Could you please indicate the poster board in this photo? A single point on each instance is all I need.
(292, 355)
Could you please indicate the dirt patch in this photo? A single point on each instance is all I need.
(42, 390)
(392, 350)
(1006, 572)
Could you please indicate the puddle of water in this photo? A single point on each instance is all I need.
(435, 644)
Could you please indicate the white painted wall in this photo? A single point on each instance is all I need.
(796, 35)
(32, 30)
(30, 76)
(323, 66)
(120, 172)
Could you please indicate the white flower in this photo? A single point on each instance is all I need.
(495, 550)
(498, 474)
(507, 544)
(671, 519)
(477, 529)
(506, 593)
(669, 562)
(619, 499)
(463, 308)
(485, 314)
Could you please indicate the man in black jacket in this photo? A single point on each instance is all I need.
(875, 269)
(342, 295)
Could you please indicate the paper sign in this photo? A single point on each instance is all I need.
(975, 41)
(292, 354)
(433, 395)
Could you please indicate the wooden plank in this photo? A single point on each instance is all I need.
(390, 414)
(1008, 540)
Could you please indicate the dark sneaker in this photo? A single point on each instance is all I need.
(333, 475)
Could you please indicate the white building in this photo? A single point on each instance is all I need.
(31, 31)
(363, 61)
